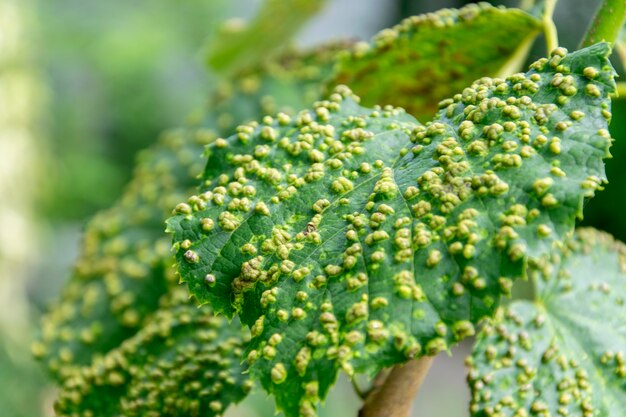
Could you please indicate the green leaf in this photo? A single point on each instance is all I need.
(124, 266)
(275, 24)
(563, 354)
(429, 57)
(353, 238)
(125, 262)
(183, 362)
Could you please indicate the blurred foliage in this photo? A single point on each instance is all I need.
(20, 106)
(21, 399)
(241, 47)
(119, 73)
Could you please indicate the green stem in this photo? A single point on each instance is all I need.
(549, 28)
(620, 48)
(606, 23)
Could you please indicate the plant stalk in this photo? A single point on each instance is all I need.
(394, 397)
(549, 28)
(606, 23)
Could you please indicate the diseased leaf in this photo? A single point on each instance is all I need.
(124, 267)
(563, 354)
(125, 264)
(429, 57)
(183, 362)
(275, 24)
(353, 238)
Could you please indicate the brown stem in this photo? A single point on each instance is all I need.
(394, 397)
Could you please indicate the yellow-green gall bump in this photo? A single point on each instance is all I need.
(228, 221)
(434, 257)
(590, 72)
(549, 201)
(593, 90)
(278, 374)
(192, 257)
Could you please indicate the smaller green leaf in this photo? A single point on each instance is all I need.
(184, 362)
(429, 57)
(564, 354)
(275, 24)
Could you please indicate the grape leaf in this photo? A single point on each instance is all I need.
(183, 362)
(562, 354)
(125, 264)
(425, 58)
(353, 238)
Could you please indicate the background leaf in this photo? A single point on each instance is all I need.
(427, 58)
(117, 74)
(353, 238)
(183, 362)
(275, 24)
(562, 354)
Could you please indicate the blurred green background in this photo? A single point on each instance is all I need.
(86, 84)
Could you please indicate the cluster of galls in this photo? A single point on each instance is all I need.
(544, 359)
(543, 378)
(375, 239)
(184, 362)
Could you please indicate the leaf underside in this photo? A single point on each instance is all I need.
(420, 61)
(563, 354)
(183, 362)
(355, 239)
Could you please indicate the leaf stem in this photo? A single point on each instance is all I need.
(620, 48)
(606, 23)
(394, 397)
(549, 28)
